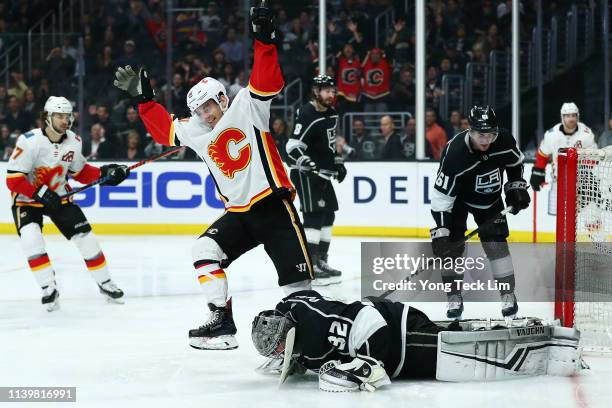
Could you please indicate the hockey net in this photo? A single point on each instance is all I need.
(583, 295)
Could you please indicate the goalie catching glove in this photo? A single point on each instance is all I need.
(362, 374)
(136, 84)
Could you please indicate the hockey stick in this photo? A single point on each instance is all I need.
(132, 167)
(326, 174)
(455, 245)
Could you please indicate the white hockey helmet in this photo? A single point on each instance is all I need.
(568, 108)
(58, 104)
(207, 88)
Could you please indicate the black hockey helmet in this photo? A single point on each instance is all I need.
(322, 81)
(483, 119)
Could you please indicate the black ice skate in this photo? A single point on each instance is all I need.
(218, 332)
(454, 308)
(110, 290)
(509, 305)
(50, 298)
(335, 274)
(322, 277)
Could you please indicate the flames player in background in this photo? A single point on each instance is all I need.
(313, 160)
(37, 175)
(236, 145)
(469, 180)
(569, 133)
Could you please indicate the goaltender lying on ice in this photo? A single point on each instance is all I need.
(362, 345)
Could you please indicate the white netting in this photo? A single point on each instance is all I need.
(593, 261)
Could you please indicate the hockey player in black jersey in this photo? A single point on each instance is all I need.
(313, 160)
(469, 180)
(363, 344)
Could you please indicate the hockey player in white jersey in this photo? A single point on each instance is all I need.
(570, 132)
(236, 145)
(37, 175)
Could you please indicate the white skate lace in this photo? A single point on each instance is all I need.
(214, 319)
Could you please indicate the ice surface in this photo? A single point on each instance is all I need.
(136, 354)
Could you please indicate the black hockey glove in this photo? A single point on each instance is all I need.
(440, 241)
(517, 196)
(339, 167)
(306, 165)
(136, 84)
(538, 177)
(263, 26)
(116, 173)
(47, 197)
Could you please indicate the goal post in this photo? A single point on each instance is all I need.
(583, 271)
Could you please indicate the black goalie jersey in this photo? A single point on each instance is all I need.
(328, 329)
(475, 177)
(314, 135)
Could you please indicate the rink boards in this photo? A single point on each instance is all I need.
(376, 199)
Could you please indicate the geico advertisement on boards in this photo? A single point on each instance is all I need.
(393, 195)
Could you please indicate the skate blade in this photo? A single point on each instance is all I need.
(227, 342)
(118, 301)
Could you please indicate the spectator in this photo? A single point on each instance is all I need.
(233, 49)
(349, 83)
(211, 23)
(433, 90)
(103, 117)
(364, 144)
(455, 122)
(133, 150)
(3, 102)
(97, 148)
(15, 118)
(606, 137)
(376, 74)
(59, 70)
(435, 135)
(465, 124)
(279, 134)
(19, 86)
(227, 79)
(68, 49)
(218, 64)
(133, 123)
(241, 82)
(408, 139)
(129, 55)
(403, 92)
(30, 104)
(391, 147)
(344, 149)
(179, 95)
(400, 43)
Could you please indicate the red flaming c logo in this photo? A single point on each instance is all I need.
(219, 152)
(47, 176)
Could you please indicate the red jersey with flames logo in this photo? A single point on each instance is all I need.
(376, 77)
(37, 161)
(240, 152)
(349, 78)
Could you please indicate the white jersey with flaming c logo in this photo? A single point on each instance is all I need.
(45, 163)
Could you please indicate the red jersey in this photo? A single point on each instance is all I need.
(376, 78)
(349, 83)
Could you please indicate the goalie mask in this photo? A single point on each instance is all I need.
(269, 332)
(483, 125)
(58, 104)
(205, 90)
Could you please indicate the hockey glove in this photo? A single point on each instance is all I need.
(538, 177)
(339, 167)
(440, 241)
(364, 373)
(116, 173)
(48, 198)
(262, 24)
(517, 196)
(306, 165)
(136, 84)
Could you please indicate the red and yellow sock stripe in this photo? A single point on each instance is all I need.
(96, 263)
(206, 274)
(39, 263)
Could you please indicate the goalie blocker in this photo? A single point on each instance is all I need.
(362, 345)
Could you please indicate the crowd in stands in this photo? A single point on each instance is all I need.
(208, 40)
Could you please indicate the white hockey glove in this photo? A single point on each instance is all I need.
(363, 373)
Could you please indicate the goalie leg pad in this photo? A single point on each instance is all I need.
(506, 353)
(363, 373)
